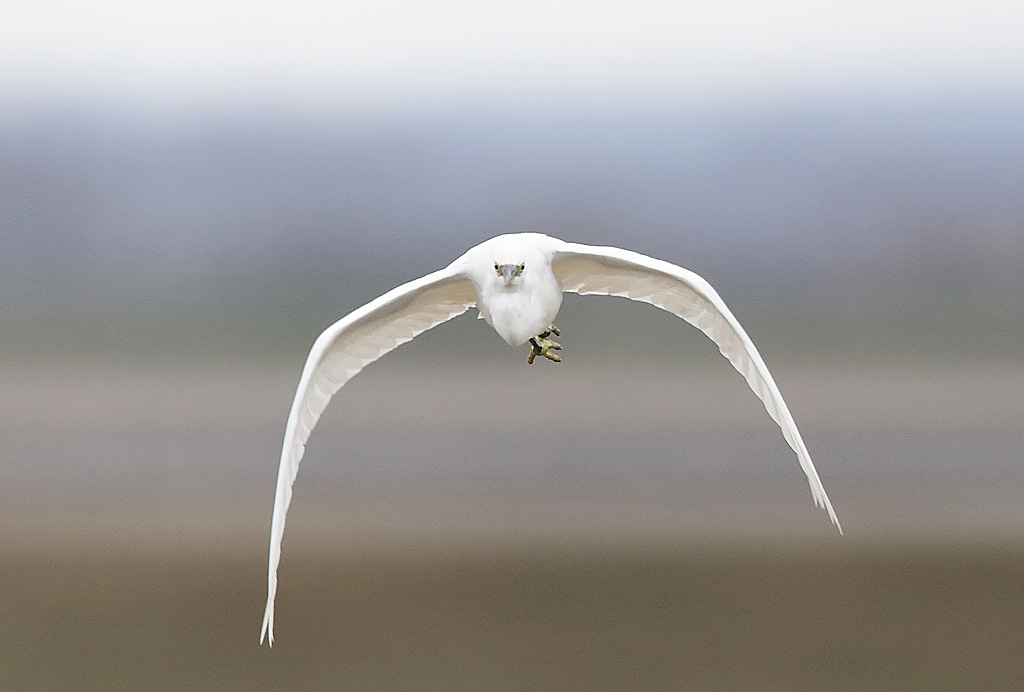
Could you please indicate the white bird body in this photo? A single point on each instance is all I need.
(525, 307)
(516, 281)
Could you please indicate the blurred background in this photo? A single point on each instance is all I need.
(190, 192)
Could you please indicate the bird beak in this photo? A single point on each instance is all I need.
(509, 272)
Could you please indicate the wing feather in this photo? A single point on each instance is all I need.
(611, 271)
(338, 354)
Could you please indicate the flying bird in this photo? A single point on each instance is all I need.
(516, 282)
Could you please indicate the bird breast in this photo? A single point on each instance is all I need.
(523, 311)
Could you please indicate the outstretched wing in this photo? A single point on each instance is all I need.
(585, 269)
(345, 348)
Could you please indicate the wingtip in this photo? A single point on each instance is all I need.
(833, 517)
(821, 500)
(267, 631)
(835, 520)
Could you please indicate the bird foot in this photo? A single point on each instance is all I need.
(541, 345)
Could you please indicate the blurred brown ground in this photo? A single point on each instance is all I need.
(483, 527)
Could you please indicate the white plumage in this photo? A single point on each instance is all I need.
(516, 281)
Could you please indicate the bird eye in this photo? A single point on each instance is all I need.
(497, 268)
(521, 268)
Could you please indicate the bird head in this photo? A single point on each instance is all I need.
(512, 263)
(509, 272)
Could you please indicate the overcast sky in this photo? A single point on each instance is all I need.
(371, 54)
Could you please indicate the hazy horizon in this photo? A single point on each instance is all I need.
(840, 208)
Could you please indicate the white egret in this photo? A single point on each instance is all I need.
(516, 282)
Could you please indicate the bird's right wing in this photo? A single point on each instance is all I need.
(338, 354)
(612, 271)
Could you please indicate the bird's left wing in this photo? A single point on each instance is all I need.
(611, 271)
(345, 348)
